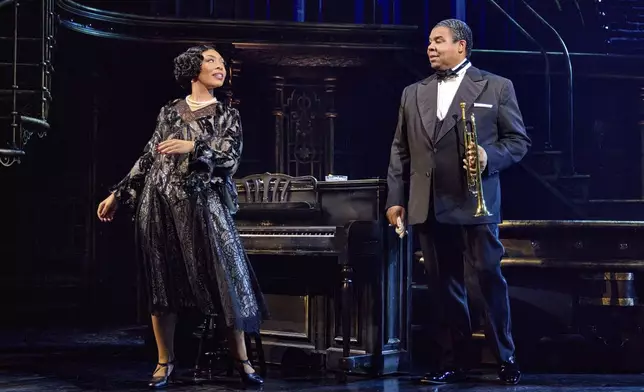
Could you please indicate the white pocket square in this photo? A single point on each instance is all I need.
(482, 105)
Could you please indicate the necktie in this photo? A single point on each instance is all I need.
(446, 74)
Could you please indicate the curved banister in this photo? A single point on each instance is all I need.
(547, 65)
(145, 28)
(570, 84)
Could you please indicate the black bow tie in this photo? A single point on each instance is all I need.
(450, 73)
(446, 74)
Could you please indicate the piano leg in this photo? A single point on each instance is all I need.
(347, 305)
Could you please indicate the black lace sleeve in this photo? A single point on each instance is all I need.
(127, 191)
(218, 154)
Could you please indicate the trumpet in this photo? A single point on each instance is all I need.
(474, 182)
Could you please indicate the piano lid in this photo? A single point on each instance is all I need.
(361, 184)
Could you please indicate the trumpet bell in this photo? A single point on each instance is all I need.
(481, 210)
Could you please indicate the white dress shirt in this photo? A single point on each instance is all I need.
(447, 90)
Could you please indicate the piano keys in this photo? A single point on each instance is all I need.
(311, 240)
(335, 273)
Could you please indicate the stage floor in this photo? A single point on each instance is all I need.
(72, 360)
(68, 376)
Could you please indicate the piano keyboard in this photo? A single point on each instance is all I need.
(292, 240)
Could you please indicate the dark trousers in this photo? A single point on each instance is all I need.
(448, 250)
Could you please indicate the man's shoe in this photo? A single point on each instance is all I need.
(509, 372)
(444, 377)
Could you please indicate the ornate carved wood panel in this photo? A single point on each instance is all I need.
(304, 126)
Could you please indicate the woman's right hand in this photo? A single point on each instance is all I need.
(107, 209)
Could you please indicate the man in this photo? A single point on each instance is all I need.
(428, 155)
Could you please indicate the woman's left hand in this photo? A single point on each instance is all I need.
(176, 146)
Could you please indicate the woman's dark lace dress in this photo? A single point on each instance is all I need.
(191, 249)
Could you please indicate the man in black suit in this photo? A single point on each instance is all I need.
(428, 156)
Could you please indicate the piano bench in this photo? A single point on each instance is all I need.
(213, 345)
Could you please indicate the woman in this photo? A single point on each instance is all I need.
(184, 197)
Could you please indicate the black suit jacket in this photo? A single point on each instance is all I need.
(423, 164)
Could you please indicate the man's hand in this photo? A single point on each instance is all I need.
(395, 212)
(176, 146)
(396, 218)
(471, 162)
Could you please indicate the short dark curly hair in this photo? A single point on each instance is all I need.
(187, 65)
(460, 31)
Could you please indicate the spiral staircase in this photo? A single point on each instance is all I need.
(26, 44)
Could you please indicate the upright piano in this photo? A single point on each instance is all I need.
(336, 276)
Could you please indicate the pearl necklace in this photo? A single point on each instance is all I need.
(195, 105)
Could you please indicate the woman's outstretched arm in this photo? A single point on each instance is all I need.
(127, 190)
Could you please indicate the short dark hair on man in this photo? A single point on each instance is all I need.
(460, 31)
(187, 65)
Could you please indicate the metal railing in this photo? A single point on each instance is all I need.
(571, 114)
(571, 163)
(547, 75)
